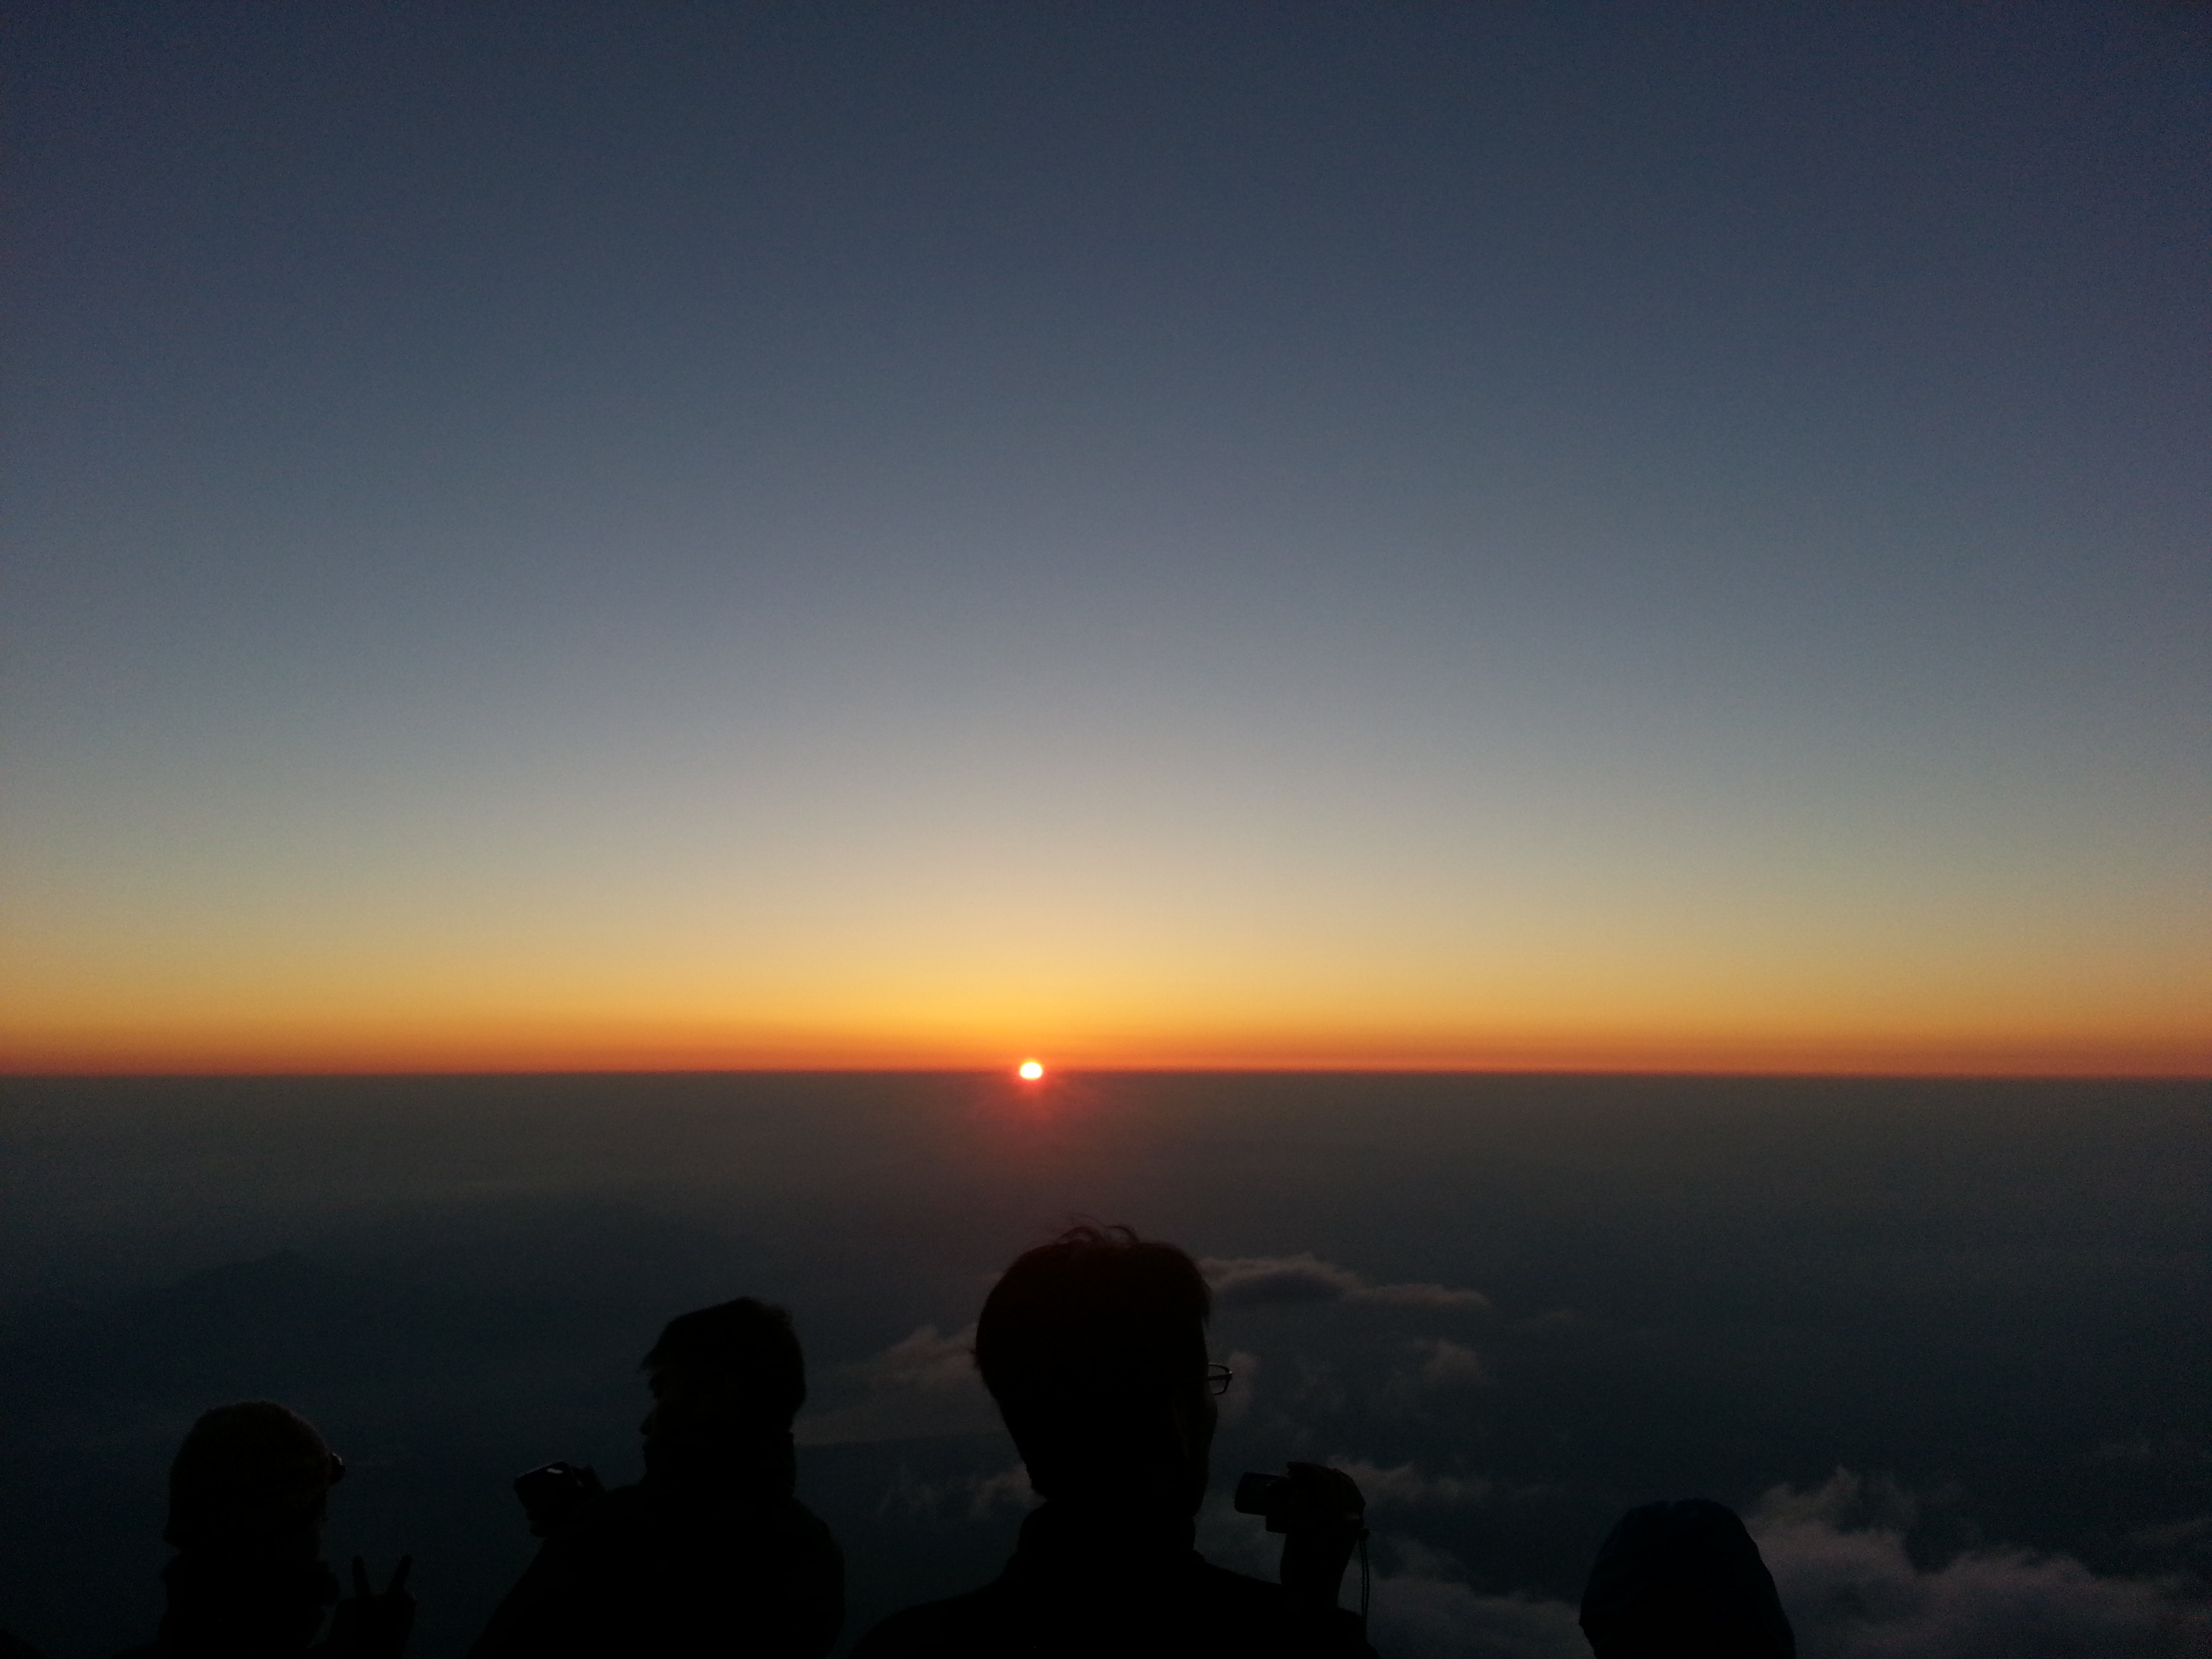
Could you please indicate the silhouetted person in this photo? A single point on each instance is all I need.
(1094, 1347)
(1683, 1580)
(248, 1494)
(710, 1553)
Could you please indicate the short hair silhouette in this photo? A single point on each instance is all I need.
(1093, 1346)
(248, 1472)
(1083, 1342)
(747, 1348)
(711, 1553)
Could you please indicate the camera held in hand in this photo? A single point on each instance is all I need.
(1311, 1499)
(550, 1495)
(1323, 1518)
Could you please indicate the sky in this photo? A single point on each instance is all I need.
(1554, 536)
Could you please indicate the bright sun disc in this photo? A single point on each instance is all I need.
(1030, 1070)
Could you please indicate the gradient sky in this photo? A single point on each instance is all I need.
(1543, 535)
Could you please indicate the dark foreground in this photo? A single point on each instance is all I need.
(1929, 1335)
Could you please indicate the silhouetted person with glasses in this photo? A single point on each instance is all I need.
(1683, 1580)
(710, 1553)
(1094, 1347)
(248, 1495)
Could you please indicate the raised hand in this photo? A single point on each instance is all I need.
(1322, 1519)
(372, 1624)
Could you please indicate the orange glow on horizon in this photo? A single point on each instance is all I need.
(1526, 969)
(514, 1046)
(65, 1010)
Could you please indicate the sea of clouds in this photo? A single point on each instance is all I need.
(1839, 1551)
(1941, 1345)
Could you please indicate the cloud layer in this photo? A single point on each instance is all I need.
(1853, 1593)
(923, 1386)
(1405, 1485)
(1838, 1553)
(966, 1497)
(1252, 1281)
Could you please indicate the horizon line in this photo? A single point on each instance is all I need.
(1195, 1069)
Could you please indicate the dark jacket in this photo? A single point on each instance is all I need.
(704, 1557)
(1080, 1586)
(241, 1604)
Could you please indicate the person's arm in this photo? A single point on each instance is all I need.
(1322, 1520)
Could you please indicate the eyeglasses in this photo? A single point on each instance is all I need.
(1217, 1379)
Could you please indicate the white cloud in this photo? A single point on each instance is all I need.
(1449, 1365)
(1440, 1367)
(1838, 1557)
(1317, 1391)
(1422, 1610)
(969, 1498)
(1420, 1296)
(1406, 1487)
(1846, 1501)
(1251, 1281)
(1852, 1592)
(1257, 1281)
(1435, 1619)
(927, 1361)
(921, 1387)
(1009, 1489)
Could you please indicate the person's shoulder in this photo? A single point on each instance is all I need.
(959, 1624)
(794, 1542)
(606, 1522)
(802, 1522)
(1237, 1602)
(781, 1523)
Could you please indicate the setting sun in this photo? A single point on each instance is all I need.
(1028, 1071)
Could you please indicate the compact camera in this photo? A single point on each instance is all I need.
(1264, 1494)
(1311, 1498)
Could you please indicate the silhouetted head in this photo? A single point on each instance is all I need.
(251, 1476)
(733, 1372)
(1093, 1346)
(1683, 1580)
